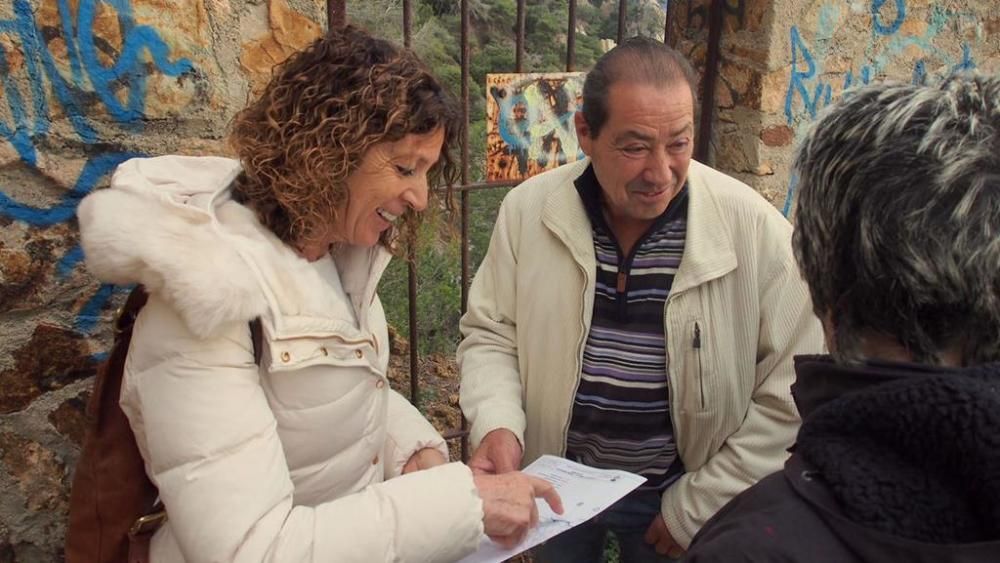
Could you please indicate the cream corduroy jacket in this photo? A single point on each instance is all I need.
(529, 313)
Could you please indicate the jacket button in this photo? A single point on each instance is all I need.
(359, 354)
(286, 357)
(324, 351)
(375, 460)
(379, 384)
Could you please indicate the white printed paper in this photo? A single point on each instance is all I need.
(585, 492)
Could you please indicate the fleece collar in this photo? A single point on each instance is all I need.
(914, 452)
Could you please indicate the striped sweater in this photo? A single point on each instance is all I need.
(621, 413)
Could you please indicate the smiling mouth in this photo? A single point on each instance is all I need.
(650, 193)
(648, 189)
(388, 217)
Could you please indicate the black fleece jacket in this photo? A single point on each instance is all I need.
(894, 462)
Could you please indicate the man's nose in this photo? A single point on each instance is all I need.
(658, 170)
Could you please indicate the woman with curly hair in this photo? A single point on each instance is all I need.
(302, 453)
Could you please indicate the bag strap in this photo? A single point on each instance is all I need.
(142, 531)
(124, 319)
(137, 299)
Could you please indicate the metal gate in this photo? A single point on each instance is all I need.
(337, 16)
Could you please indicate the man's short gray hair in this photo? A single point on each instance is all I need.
(898, 217)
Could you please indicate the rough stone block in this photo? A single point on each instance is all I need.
(774, 87)
(748, 52)
(289, 32)
(777, 136)
(37, 471)
(70, 418)
(52, 358)
(756, 12)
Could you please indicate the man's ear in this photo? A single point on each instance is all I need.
(582, 132)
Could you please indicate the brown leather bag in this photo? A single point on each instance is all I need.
(112, 506)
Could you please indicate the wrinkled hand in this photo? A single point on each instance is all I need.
(499, 452)
(424, 459)
(658, 536)
(509, 509)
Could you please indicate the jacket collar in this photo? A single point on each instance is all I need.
(564, 214)
(708, 250)
(818, 379)
(906, 449)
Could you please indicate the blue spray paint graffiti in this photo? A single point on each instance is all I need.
(880, 26)
(811, 87)
(142, 53)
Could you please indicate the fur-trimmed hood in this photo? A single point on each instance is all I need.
(170, 224)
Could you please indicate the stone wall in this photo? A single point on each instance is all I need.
(785, 60)
(84, 85)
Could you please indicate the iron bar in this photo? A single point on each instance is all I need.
(411, 290)
(407, 24)
(465, 151)
(622, 10)
(477, 186)
(667, 39)
(465, 181)
(571, 37)
(411, 262)
(336, 13)
(519, 56)
(704, 141)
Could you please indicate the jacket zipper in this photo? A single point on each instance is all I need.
(624, 267)
(581, 343)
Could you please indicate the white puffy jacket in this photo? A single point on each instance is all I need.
(299, 459)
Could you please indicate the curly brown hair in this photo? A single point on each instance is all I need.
(322, 110)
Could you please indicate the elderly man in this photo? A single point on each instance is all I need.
(637, 310)
(898, 237)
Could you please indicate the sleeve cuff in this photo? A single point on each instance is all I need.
(680, 525)
(408, 432)
(487, 422)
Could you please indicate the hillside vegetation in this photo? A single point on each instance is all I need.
(436, 34)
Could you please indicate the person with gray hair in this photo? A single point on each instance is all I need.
(637, 310)
(898, 238)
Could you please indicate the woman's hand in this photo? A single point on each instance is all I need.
(509, 509)
(424, 459)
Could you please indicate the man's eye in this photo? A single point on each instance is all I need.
(679, 145)
(404, 171)
(634, 149)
